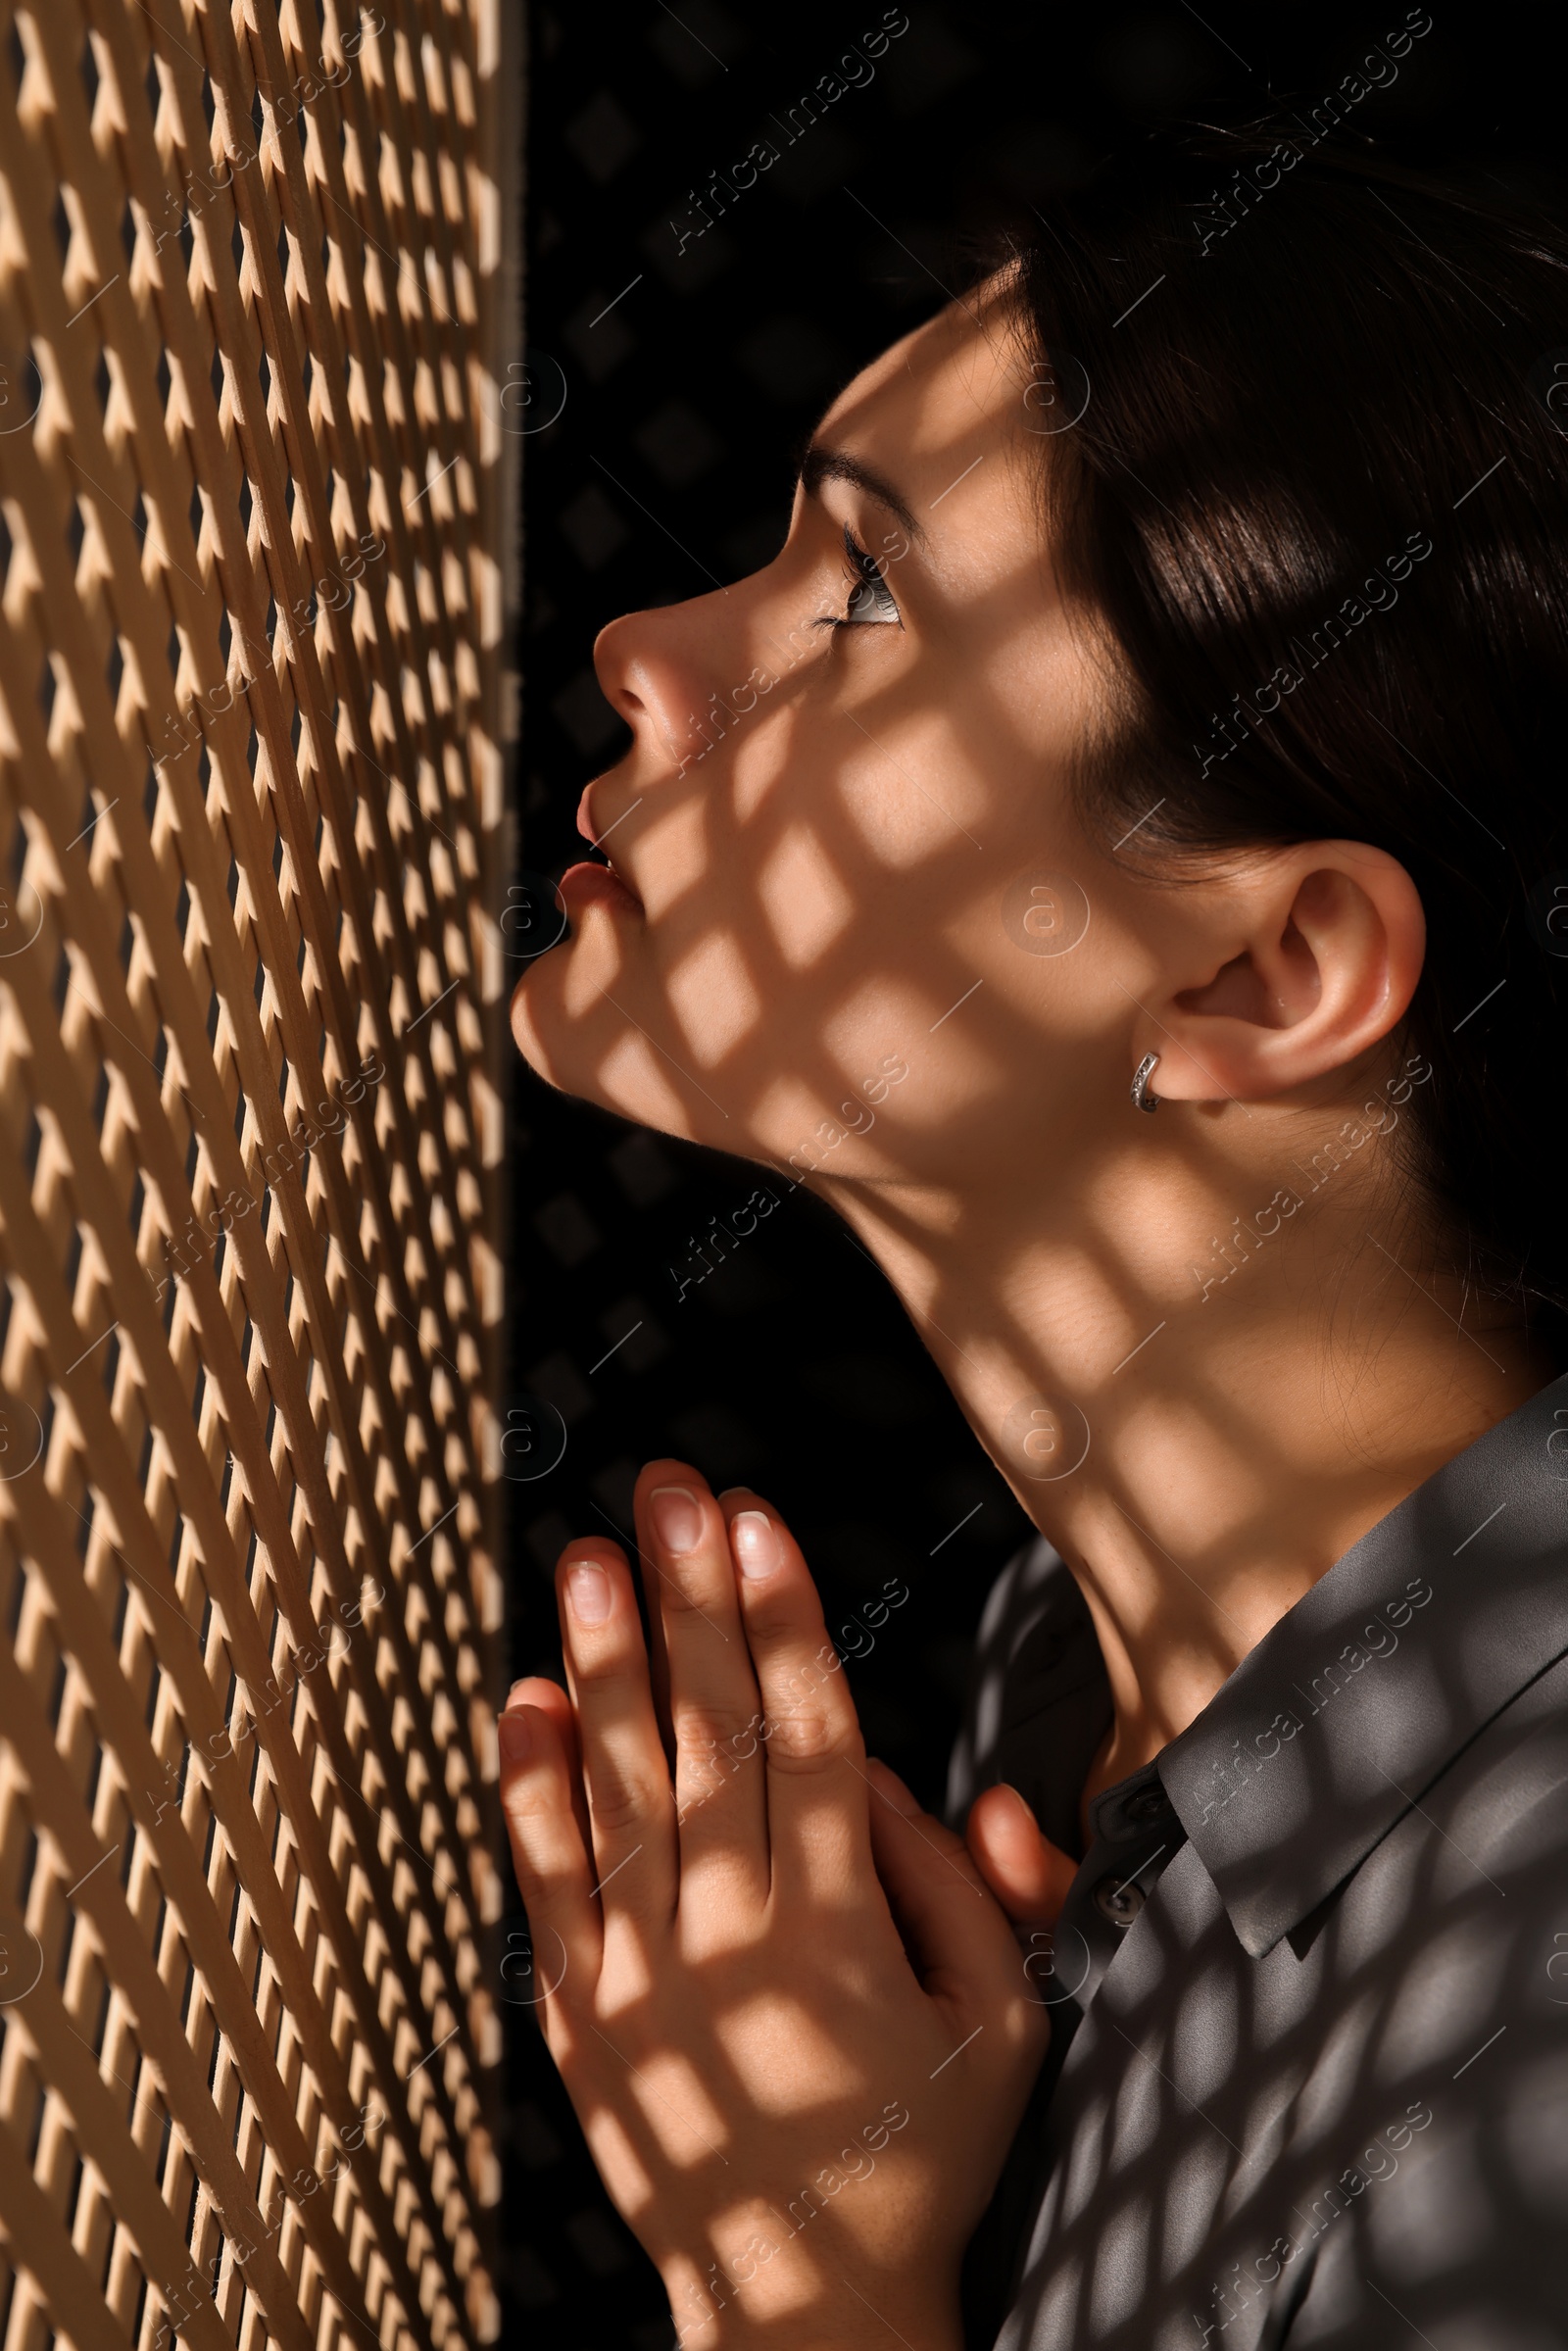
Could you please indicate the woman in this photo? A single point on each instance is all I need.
(1115, 853)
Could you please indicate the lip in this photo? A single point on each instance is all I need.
(588, 882)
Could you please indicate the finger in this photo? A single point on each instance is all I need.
(1029, 1876)
(630, 1808)
(714, 1709)
(536, 1689)
(818, 1837)
(960, 1941)
(549, 1856)
(950, 1929)
(658, 1660)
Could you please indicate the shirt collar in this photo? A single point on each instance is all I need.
(1334, 1725)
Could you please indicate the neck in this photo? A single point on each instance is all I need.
(1200, 1427)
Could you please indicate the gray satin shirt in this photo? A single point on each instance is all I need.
(1308, 2075)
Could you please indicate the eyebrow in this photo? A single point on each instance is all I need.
(821, 464)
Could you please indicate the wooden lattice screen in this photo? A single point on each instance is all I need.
(253, 462)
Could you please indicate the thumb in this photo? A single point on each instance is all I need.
(1028, 1875)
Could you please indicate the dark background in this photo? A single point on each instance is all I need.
(792, 1367)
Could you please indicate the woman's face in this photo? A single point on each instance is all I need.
(868, 931)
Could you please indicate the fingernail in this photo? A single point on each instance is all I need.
(756, 1543)
(677, 1518)
(588, 1590)
(516, 1736)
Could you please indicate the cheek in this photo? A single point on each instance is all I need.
(674, 851)
(805, 900)
(914, 795)
(952, 1070)
(713, 997)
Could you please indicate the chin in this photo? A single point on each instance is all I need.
(601, 1057)
(528, 1040)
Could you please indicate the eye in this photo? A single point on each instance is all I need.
(871, 597)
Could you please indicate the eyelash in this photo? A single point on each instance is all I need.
(865, 577)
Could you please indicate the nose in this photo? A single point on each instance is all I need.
(651, 669)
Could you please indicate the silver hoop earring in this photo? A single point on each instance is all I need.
(1141, 1094)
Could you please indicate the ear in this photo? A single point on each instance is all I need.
(1309, 959)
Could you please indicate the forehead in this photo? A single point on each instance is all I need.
(952, 388)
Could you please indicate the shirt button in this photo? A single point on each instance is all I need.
(1118, 1899)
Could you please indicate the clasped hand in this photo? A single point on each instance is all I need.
(791, 2014)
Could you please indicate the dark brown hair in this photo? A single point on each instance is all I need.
(1307, 462)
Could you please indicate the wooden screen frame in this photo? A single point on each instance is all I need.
(254, 471)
